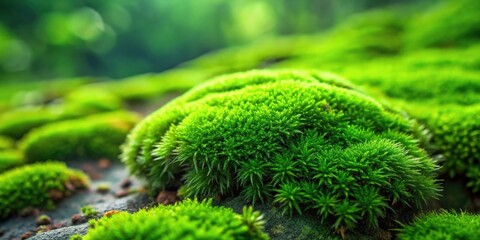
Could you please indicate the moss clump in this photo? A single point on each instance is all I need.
(6, 143)
(80, 103)
(189, 219)
(456, 136)
(89, 211)
(10, 159)
(93, 137)
(37, 185)
(303, 141)
(448, 24)
(444, 225)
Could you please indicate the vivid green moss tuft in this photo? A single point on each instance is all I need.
(303, 141)
(444, 225)
(89, 211)
(189, 219)
(6, 143)
(37, 185)
(93, 137)
(10, 159)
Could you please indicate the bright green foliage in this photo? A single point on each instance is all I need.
(34, 185)
(451, 23)
(17, 122)
(455, 135)
(10, 159)
(92, 137)
(189, 219)
(90, 99)
(89, 211)
(6, 143)
(443, 226)
(433, 76)
(148, 86)
(304, 141)
(80, 103)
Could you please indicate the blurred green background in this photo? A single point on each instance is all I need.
(59, 39)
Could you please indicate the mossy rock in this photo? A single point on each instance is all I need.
(90, 138)
(10, 159)
(303, 141)
(38, 185)
(446, 225)
(189, 219)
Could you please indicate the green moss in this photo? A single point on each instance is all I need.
(444, 225)
(37, 185)
(303, 141)
(189, 219)
(89, 211)
(17, 122)
(6, 143)
(76, 237)
(447, 24)
(79, 103)
(455, 136)
(93, 137)
(149, 86)
(10, 159)
(90, 99)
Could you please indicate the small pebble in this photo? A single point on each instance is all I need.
(78, 219)
(126, 183)
(58, 225)
(43, 220)
(122, 193)
(103, 188)
(167, 197)
(27, 235)
(104, 163)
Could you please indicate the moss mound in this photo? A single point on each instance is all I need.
(93, 137)
(303, 141)
(82, 102)
(6, 143)
(10, 159)
(189, 219)
(37, 185)
(443, 226)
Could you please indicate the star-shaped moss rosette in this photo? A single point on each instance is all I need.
(445, 225)
(189, 219)
(306, 142)
(37, 185)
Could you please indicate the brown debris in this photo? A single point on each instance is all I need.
(26, 235)
(126, 183)
(55, 195)
(122, 193)
(29, 211)
(104, 164)
(167, 197)
(78, 219)
(111, 213)
(91, 171)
